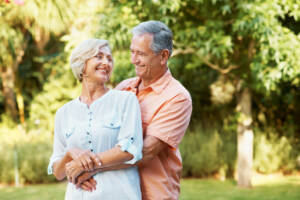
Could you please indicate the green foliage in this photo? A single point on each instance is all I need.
(205, 153)
(58, 89)
(273, 153)
(28, 153)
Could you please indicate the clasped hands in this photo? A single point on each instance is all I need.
(82, 161)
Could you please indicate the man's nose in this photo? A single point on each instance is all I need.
(134, 59)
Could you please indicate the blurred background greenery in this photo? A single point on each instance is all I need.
(239, 60)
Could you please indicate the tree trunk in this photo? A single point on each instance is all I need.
(20, 103)
(245, 139)
(7, 76)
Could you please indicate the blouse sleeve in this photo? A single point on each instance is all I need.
(59, 144)
(130, 137)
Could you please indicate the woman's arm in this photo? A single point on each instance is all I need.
(59, 167)
(111, 157)
(85, 158)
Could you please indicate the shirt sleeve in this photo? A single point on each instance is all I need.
(171, 121)
(130, 137)
(59, 144)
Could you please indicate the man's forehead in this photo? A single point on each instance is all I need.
(139, 41)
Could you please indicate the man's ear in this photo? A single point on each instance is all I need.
(164, 56)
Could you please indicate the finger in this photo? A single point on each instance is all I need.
(96, 160)
(84, 164)
(90, 164)
(84, 187)
(74, 180)
(93, 183)
(88, 185)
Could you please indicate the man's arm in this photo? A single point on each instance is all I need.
(152, 146)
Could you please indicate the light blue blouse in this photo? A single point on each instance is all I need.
(113, 119)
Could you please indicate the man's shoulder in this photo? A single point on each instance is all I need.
(177, 89)
(126, 83)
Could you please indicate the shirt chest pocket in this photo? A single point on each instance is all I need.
(111, 124)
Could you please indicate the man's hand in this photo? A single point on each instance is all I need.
(89, 185)
(83, 177)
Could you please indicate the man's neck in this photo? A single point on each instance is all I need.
(146, 82)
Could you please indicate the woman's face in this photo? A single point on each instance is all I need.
(99, 67)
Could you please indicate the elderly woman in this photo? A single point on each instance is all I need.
(100, 128)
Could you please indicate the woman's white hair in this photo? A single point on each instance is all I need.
(84, 51)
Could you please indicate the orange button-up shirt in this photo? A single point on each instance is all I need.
(166, 108)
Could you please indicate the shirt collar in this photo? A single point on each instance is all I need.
(157, 86)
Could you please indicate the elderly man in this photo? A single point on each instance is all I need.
(166, 108)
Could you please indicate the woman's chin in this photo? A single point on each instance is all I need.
(102, 79)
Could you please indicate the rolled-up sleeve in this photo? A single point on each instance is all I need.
(130, 137)
(172, 120)
(59, 144)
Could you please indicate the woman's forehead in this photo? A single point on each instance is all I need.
(104, 50)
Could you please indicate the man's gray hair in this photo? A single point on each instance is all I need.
(162, 35)
(82, 53)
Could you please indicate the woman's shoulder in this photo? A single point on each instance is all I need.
(121, 98)
(122, 94)
(67, 106)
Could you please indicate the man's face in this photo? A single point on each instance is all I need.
(148, 64)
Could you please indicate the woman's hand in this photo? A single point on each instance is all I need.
(73, 169)
(74, 153)
(86, 161)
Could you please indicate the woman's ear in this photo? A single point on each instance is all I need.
(164, 56)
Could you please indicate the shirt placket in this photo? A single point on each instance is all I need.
(88, 131)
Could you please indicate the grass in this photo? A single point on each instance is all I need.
(265, 188)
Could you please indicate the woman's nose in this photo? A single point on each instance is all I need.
(105, 61)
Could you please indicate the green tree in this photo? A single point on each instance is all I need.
(26, 27)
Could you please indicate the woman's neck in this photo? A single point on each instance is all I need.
(91, 91)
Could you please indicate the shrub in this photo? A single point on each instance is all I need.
(29, 153)
(205, 153)
(272, 152)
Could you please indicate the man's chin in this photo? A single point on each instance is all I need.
(138, 73)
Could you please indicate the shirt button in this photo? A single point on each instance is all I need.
(92, 150)
(90, 142)
(87, 133)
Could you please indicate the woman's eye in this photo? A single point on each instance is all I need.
(99, 56)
